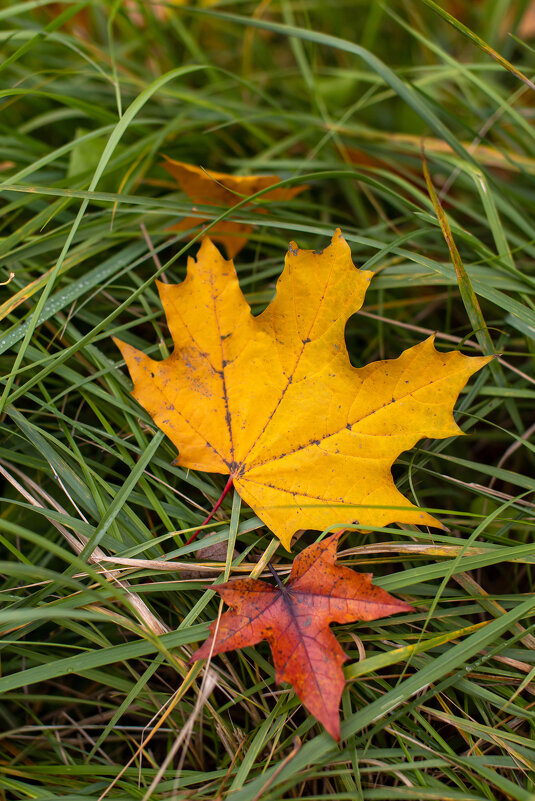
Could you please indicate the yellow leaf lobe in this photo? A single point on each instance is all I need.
(274, 401)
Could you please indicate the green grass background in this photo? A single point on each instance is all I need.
(341, 96)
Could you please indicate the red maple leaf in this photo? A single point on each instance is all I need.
(294, 619)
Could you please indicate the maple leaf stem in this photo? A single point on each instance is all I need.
(275, 575)
(226, 490)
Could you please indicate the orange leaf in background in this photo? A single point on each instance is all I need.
(526, 28)
(211, 188)
(162, 11)
(274, 402)
(294, 619)
(411, 145)
(82, 23)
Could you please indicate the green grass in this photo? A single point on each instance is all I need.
(97, 696)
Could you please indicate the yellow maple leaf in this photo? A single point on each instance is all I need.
(211, 188)
(273, 400)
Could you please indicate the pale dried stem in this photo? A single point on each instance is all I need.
(504, 496)
(170, 704)
(494, 608)
(447, 337)
(295, 750)
(148, 619)
(153, 253)
(208, 684)
(511, 449)
(495, 738)
(483, 131)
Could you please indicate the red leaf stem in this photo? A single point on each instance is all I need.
(226, 490)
